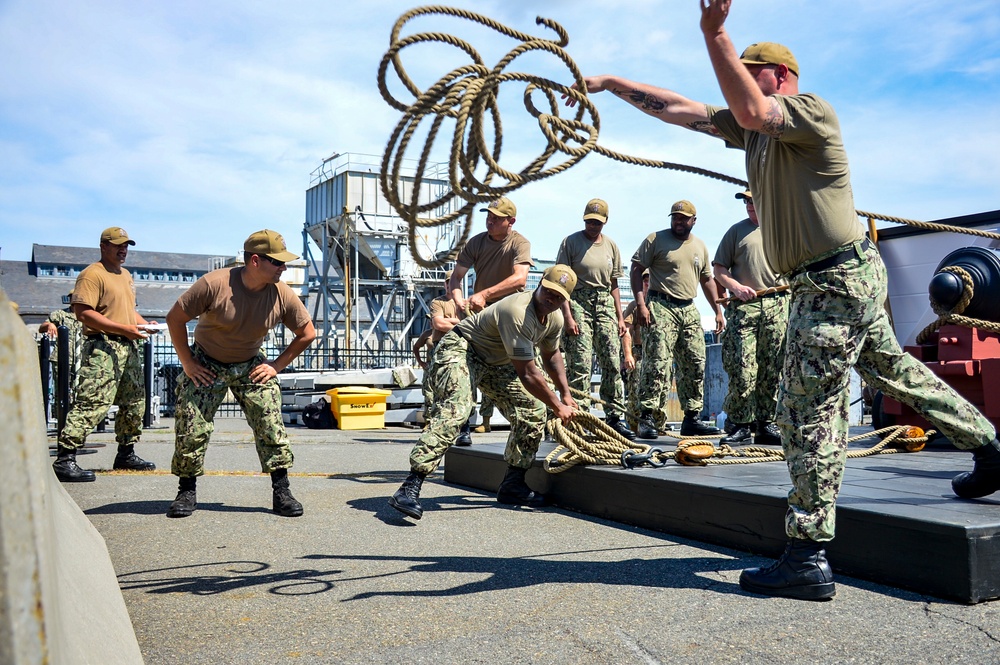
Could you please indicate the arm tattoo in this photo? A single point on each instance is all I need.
(705, 127)
(774, 122)
(644, 101)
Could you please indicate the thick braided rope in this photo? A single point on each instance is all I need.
(466, 96)
(588, 440)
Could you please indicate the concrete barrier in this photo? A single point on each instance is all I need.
(59, 596)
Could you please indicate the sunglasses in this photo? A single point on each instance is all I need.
(273, 262)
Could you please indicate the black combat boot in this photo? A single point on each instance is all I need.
(692, 426)
(464, 435)
(405, 498)
(647, 428)
(984, 479)
(768, 434)
(68, 471)
(186, 501)
(618, 425)
(802, 572)
(127, 460)
(283, 502)
(514, 491)
(739, 434)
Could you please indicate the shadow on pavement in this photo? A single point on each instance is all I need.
(381, 510)
(232, 575)
(160, 508)
(513, 573)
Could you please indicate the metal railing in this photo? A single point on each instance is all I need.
(163, 369)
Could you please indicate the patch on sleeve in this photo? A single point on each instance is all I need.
(522, 351)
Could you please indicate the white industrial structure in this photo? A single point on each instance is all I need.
(368, 296)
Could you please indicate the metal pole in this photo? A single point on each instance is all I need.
(147, 375)
(44, 356)
(62, 377)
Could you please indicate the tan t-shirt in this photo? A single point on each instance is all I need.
(742, 253)
(232, 321)
(110, 294)
(510, 330)
(675, 267)
(494, 261)
(597, 265)
(445, 308)
(801, 182)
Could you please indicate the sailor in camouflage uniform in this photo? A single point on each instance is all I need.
(50, 327)
(753, 345)
(444, 316)
(501, 258)
(103, 301)
(494, 350)
(632, 341)
(594, 321)
(236, 308)
(677, 263)
(798, 171)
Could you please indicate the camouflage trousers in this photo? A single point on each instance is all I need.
(457, 370)
(75, 330)
(110, 373)
(674, 336)
(753, 350)
(837, 320)
(425, 387)
(195, 415)
(594, 311)
(486, 406)
(632, 395)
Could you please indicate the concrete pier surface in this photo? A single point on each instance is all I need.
(353, 581)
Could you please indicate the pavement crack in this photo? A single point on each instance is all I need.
(929, 610)
(636, 648)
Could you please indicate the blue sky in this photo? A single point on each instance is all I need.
(193, 124)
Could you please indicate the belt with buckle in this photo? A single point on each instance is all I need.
(835, 260)
(113, 338)
(660, 295)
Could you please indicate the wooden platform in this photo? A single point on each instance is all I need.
(898, 522)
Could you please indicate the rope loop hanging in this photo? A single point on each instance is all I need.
(467, 96)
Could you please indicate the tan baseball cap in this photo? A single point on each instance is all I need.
(560, 278)
(769, 53)
(502, 207)
(116, 236)
(596, 209)
(744, 195)
(270, 244)
(685, 208)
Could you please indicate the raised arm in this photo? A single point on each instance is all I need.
(660, 103)
(751, 106)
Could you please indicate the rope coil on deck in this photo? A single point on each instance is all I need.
(590, 441)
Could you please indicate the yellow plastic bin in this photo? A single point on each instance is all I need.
(357, 407)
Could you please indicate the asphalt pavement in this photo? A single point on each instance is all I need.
(353, 581)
